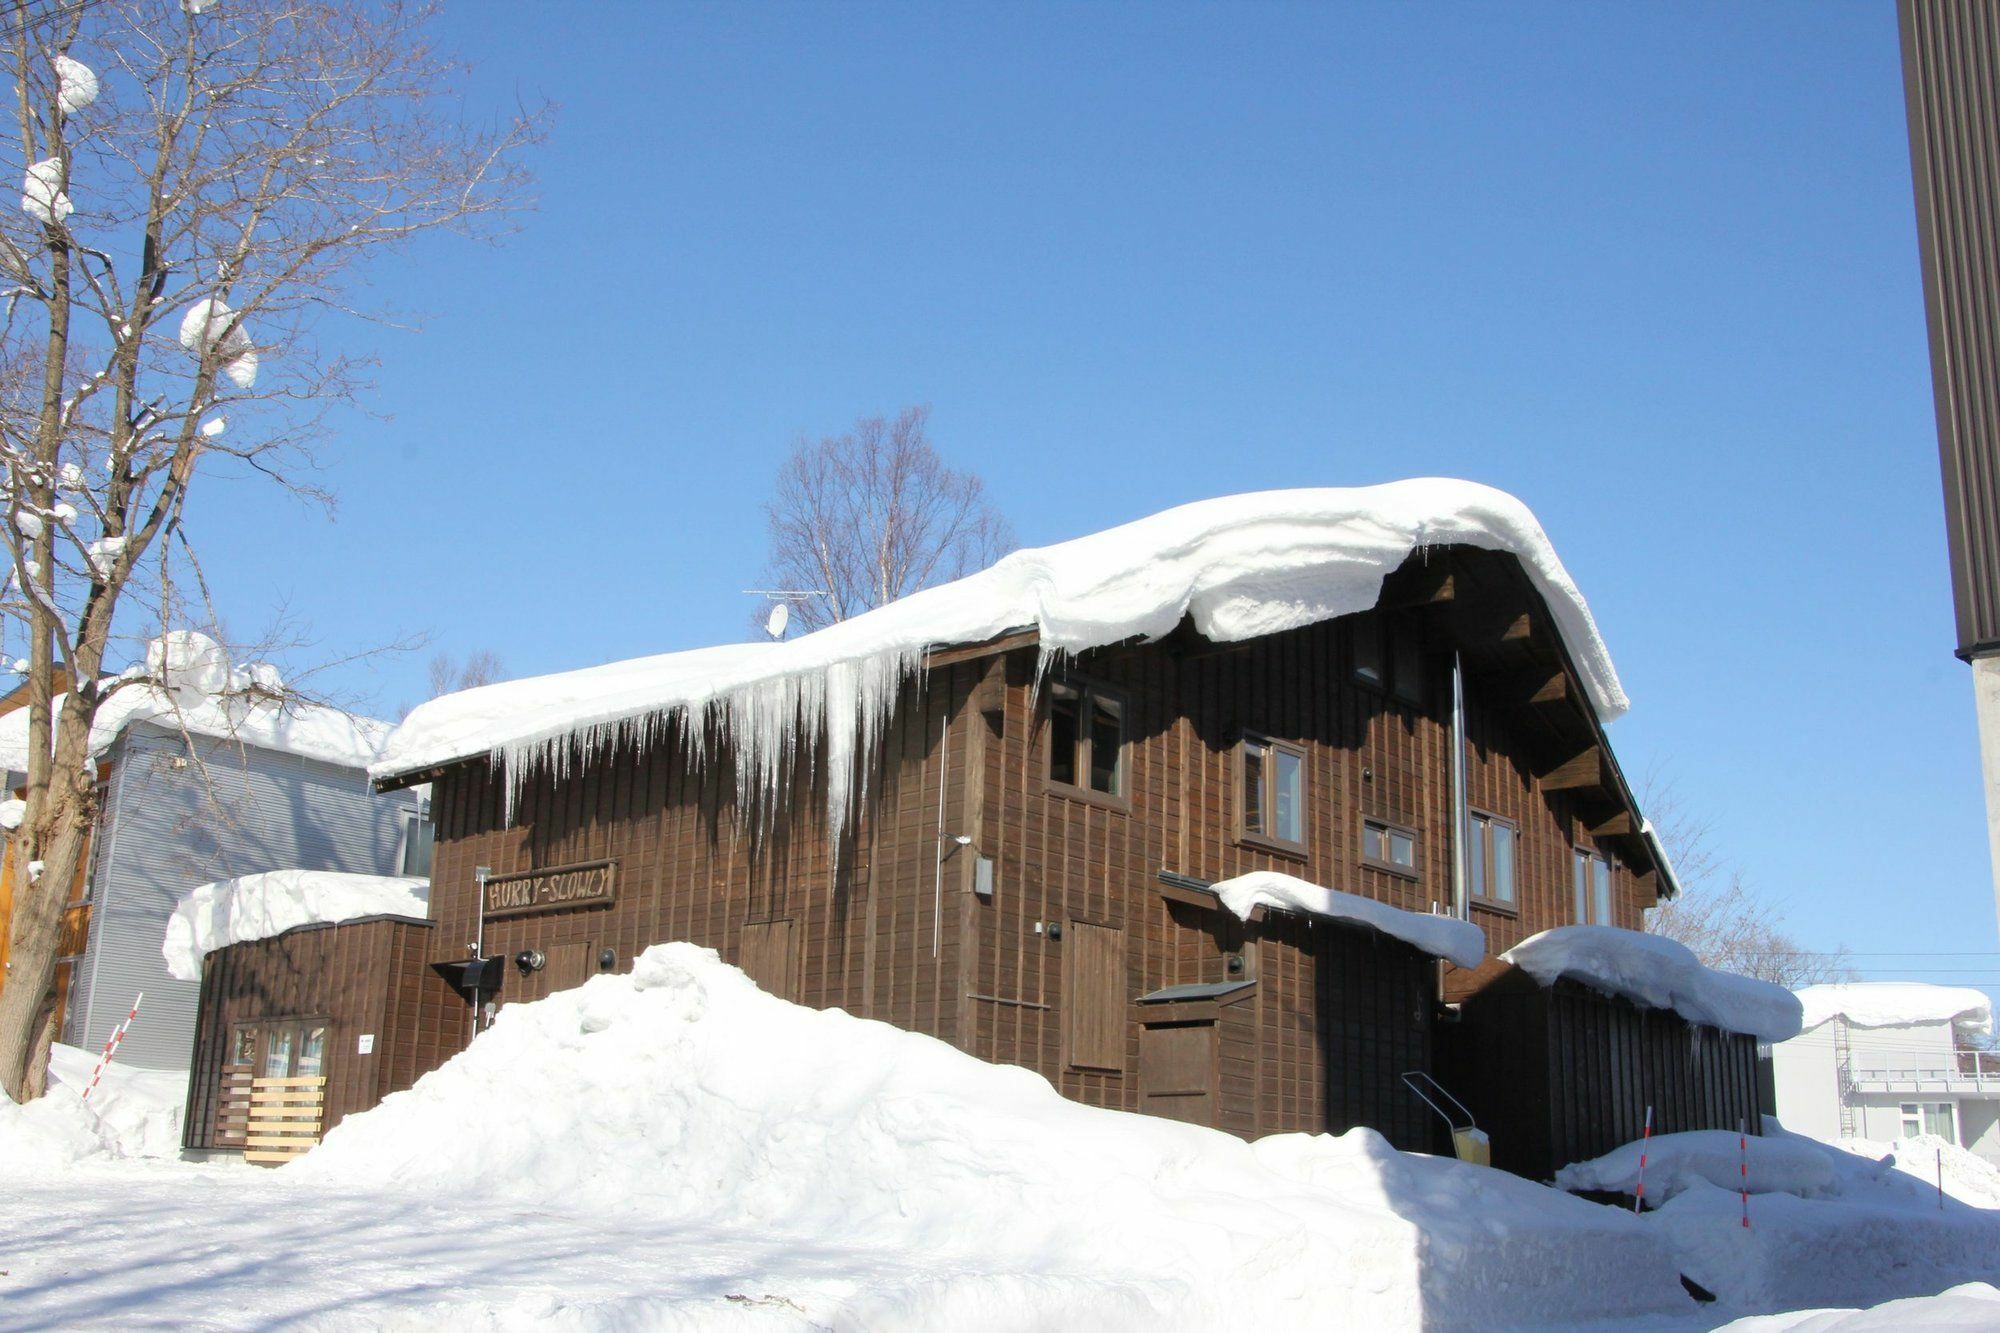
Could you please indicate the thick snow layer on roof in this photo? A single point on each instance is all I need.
(1884, 1004)
(256, 907)
(1439, 936)
(680, 1100)
(1240, 567)
(1661, 973)
(311, 731)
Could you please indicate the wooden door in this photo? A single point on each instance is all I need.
(769, 957)
(569, 965)
(1178, 1071)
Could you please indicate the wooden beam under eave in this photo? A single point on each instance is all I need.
(1522, 689)
(1427, 583)
(1616, 825)
(1585, 769)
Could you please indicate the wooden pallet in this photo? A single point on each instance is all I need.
(232, 1109)
(285, 1118)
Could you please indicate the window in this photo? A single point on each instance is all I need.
(1389, 846)
(289, 1049)
(1389, 656)
(419, 839)
(1086, 739)
(1939, 1118)
(1593, 889)
(1489, 860)
(1273, 787)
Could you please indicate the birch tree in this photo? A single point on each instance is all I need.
(202, 183)
(864, 518)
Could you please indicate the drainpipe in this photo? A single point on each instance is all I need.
(1460, 816)
(479, 874)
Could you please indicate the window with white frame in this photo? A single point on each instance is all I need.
(1938, 1118)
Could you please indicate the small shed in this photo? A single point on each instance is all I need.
(303, 1019)
(1560, 1056)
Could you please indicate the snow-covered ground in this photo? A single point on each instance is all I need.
(675, 1149)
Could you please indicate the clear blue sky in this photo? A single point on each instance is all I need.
(1652, 268)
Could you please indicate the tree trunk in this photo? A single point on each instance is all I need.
(27, 1000)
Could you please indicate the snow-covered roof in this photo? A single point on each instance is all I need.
(256, 907)
(1240, 567)
(250, 717)
(1883, 1004)
(1660, 973)
(1439, 936)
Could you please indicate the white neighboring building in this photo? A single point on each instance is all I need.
(1883, 1060)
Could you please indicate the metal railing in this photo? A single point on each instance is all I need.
(1956, 1071)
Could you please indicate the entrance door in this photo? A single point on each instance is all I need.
(770, 957)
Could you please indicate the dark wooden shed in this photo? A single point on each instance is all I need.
(1564, 1073)
(356, 1002)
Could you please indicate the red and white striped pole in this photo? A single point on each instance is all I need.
(1743, 1148)
(111, 1046)
(1639, 1200)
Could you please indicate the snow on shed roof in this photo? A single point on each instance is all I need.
(312, 731)
(1660, 973)
(1439, 936)
(1882, 1004)
(1241, 567)
(256, 907)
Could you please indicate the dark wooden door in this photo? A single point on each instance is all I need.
(569, 965)
(770, 957)
(1177, 1071)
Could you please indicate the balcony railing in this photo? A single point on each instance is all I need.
(1975, 1072)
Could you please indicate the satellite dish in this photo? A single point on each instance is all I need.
(781, 616)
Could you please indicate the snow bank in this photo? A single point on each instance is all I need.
(1972, 1306)
(1868, 1233)
(1968, 1177)
(188, 686)
(1240, 567)
(1777, 1164)
(1439, 936)
(133, 1113)
(256, 907)
(1661, 973)
(681, 1097)
(1883, 1004)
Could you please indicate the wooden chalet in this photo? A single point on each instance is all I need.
(1027, 875)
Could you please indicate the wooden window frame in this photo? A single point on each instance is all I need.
(1482, 846)
(1413, 871)
(263, 1027)
(1270, 841)
(1087, 691)
(1580, 857)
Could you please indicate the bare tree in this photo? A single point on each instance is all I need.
(1717, 916)
(448, 676)
(201, 179)
(870, 516)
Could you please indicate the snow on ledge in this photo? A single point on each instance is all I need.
(1241, 567)
(1445, 937)
(1660, 973)
(256, 907)
(1883, 1004)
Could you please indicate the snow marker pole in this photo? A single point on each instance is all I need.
(1639, 1199)
(111, 1047)
(1940, 1153)
(1743, 1148)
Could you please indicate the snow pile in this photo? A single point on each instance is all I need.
(1660, 973)
(1439, 936)
(187, 685)
(1971, 1306)
(210, 325)
(680, 1097)
(76, 85)
(1777, 1164)
(1883, 1004)
(256, 907)
(137, 1112)
(12, 811)
(132, 1113)
(1239, 567)
(1968, 1177)
(42, 196)
(1869, 1233)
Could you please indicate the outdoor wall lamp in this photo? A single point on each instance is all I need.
(530, 960)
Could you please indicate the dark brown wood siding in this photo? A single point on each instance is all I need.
(1951, 81)
(364, 977)
(1565, 1074)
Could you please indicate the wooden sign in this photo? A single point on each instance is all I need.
(586, 885)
